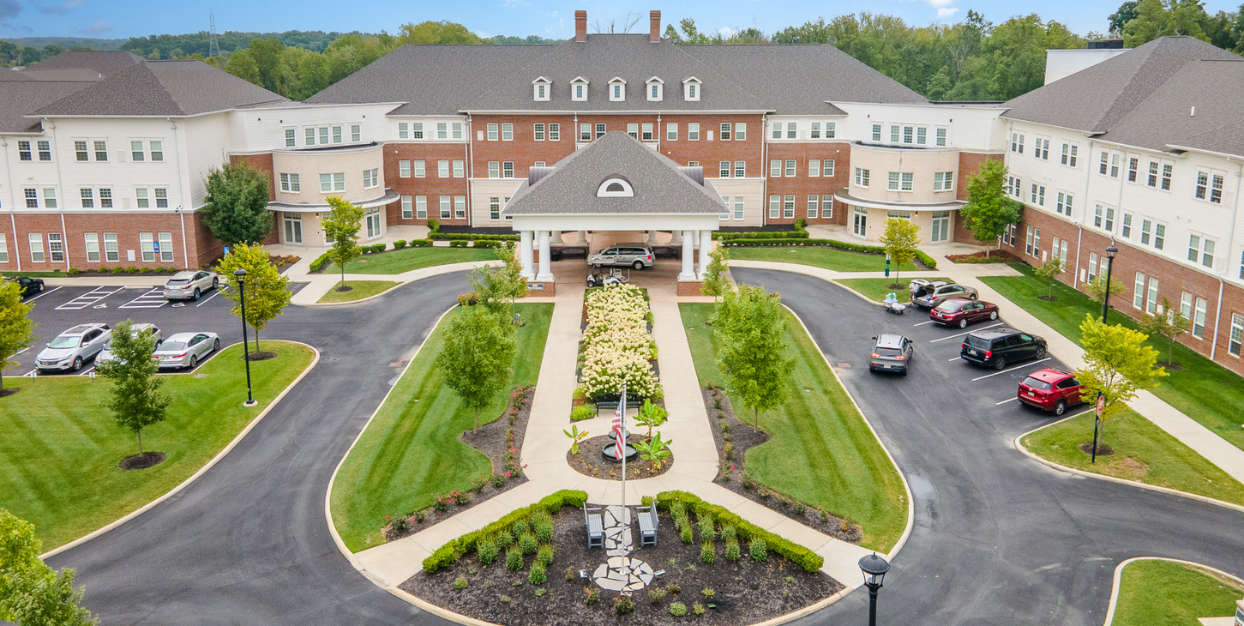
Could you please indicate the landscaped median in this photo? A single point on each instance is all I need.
(822, 452)
(357, 290)
(1157, 591)
(412, 453)
(60, 446)
(407, 259)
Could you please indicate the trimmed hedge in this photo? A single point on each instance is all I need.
(783, 234)
(434, 226)
(746, 531)
(447, 554)
(399, 244)
(926, 260)
(471, 237)
(757, 242)
(419, 243)
(320, 262)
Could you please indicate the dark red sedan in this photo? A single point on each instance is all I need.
(961, 312)
(1050, 389)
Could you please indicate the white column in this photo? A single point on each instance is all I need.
(582, 237)
(706, 246)
(677, 238)
(652, 236)
(545, 274)
(688, 272)
(525, 254)
(556, 237)
(695, 239)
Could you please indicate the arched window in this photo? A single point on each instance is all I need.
(615, 187)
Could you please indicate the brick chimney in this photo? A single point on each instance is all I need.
(654, 30)
(580, 26)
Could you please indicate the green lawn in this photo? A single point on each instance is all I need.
(360, 289)
(406, 259)
(828, 258)
(822, 451)
(1203, 390)
(1142, 452)
(1163, 593)
(60, 448)
(410, 451)
(877, 288)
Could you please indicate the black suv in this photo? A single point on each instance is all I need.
(29, 286)
(998, 346)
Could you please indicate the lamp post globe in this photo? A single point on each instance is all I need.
(246, 353)
(874, 569)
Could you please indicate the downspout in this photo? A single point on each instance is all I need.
(181, 194)
(1235, 215)
(17, 253)
(1088, 175)
(764, 165)
(470, 169)
(64, 241)
(8, 172)
(185, 255)
(64, 236)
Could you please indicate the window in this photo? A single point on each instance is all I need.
(671, 132)
(830, 130)
(421, 207)
(692, 91)
(88, 198)
(460, 207)
(555, 132)
(827, 167)
(1038, 195)
(105, 198)
(494, 169)
(442, 130)
(790, 167)
(1017, 143)
(507, 169)
(1202, 246)
(616, 92)
(157, 151)
(1014, 187)
(79, 148)
(507, 132)
(110, 247)
(876, 132)
(101, 150)
(56, 248)
(1126, 230)
(403, 169)
(1064, 204)
(777, 130)
(815, 131)
(1138, 293)
(1104, 167)
(337, 134)
(693, 132)
(1198, 318)
(1036, 242)
(861, 177)
(1008, 235)
(49, 197)
(36, 248)
(457, 130)
(147, 244)
(492, 132)
(813, 205)
(1159, 235)
(442, 169)
(542, 91)
(4, 249)
(416, 130)
(166, 247)
(1237, 334)
(896, 133)
(407, 207)
(775, 207)
(633, 130)
(143, 201)
(494, 208)
(943, 181)
(459, 169)
(922, 135)
(827, 206)
(161, 195)
(726, 127)
(740, 131)
(1151, 301)
(1042, 149)
(792, 130)
(600, 130)
(403, 130)
(371, 178)
(580, 92)
(1133, 168)
(740, 169)
(23, 151)
(45, 150)
(1167, 170)
(900, 181)
(446, 207)
(1092, 266)
(356, 133)
(1215, 190)
(654, 92)
(693, 164)
(332, 182)
(788, 207)
(323, 134)
(814, 168)
(1028, 241)
(92, 247)
(310, 137)
(1153, 173)
(1114, 165)
(289, 182)
(420, 170)
(907, 134)
(775, 168)
(723, 168)
(32, 198)
(1069, 154)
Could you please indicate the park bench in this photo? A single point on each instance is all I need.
(595, 527)
(647, 525)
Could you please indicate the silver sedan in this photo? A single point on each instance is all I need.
(186, 350)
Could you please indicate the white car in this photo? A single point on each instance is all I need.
(184, 350)
(105, 355)
(190, 284)
(72, 347)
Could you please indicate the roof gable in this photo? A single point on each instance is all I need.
(101, 61)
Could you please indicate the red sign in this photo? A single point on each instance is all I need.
(1101, 405)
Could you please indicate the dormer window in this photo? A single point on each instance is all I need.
(691, 89)
(578, 89)
(541, 89)
(615, 187)
(617, 89)
(655, 87)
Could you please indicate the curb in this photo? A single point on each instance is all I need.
(360, 300)
(435, 270)
(202, 470)
(1118, 576)
(1123, 481)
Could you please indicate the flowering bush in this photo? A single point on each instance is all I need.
(616, 345)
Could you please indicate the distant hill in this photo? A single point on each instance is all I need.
(185, 45)
(67, 42)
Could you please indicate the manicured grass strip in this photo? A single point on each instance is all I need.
(828, 258)
(1203, 390)
(359, 289)
(60, 448)
(822, 451)
(410, 452)
(1142, 452)
(406, 259)
(1163, 593)
(877, 288)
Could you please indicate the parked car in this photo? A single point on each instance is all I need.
(996, 347)
(106, 355)
(636, 255)
(931, 294)
(190, 284)
(891, 353)
(184, 350)
(1051, 389)
(29, 286)
(961, 312)
(70, 349)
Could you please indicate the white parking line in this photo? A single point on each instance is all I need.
(28, 374)
(152, 299)
(1007, 400)
(87, 371)
(20, 351)
(87, 299)
(215, 293)
(958, 358)
(966, 332)
(1018, 367)
(922, 323)
(44, 293)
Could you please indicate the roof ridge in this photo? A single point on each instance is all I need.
(514, 74)
(1114, 101)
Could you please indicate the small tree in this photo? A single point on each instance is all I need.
(655, 450)
(341, 229)
(30, 591)
(989, 211)
(236, 206)
(753, 352)
(1169, 324)
(136, 400)
(1118, 364)
(1097, 288)
(900, 240)
(479, 348)
(498, 286)
(1050, 271)
(15, 327)
(267, 292)
(651, 416)
(716, 283)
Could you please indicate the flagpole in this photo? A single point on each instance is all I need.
(621, 443)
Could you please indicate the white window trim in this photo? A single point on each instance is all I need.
(660, 89)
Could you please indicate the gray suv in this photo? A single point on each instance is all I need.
(891, 353)
(69, 349)
(636, 255)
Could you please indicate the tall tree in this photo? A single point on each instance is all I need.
(236, 207)
(30, 591)
(430, 32)
(1168, 324)
(16, 327)
(1126, 13)
(498, 286)
(341, 229)
(900, 239)
(752, 349)
(135, 401)
(989, 211)
(716, 281)
(475, 361)
(1118, 364)
(267, 292)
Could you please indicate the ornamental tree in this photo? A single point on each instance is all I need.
(30, 591)
(267, 292)
(135, 400)
(236, 206)
(1118, 364)
(1098, 289)
(716, 283)
(989, 211)
(475, 360)
(16, 327)
(900, 240)
(753, 351)
(1170, 325)
(498, 286)
(341, 229)
(1050, 271)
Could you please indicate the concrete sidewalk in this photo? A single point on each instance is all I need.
(320, 284)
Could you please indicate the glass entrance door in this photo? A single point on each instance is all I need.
(859, 225)
(293, 228)
(373, 222)
(941, 227)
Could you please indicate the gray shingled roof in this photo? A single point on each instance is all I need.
(104, 62)
(1098, 97)
(162, 88)
(19, 98)
(659, 185)
(84, 74)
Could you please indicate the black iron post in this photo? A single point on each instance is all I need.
(1105, 307)
(246, 353)
(874, 569)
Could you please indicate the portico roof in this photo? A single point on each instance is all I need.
(845, 197)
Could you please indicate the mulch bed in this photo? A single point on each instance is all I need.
(261, 356)
(141, 461)
(991, 256)
(590, 461)
(732, 473)
(745, 592)
(1102, 449)
(491, 439)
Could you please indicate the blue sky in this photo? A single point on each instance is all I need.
(120, 19)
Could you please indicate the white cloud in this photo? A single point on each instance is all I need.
(726, 31)
(513, 3)
(97, 28)
(946, 11)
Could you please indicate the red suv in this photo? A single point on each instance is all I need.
(1050, 389)
(961, 312)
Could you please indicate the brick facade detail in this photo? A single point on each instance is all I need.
(199, 249)
(969, 164)
(431, 185)
(689, 288)
(802, 185)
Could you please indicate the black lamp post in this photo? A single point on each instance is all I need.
(246, 353)
(874, 569)
(1105, 307)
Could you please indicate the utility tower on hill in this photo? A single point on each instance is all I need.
(213, 48)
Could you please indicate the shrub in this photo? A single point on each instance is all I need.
(458, 244)
(545, 555)
(537, 575)
(462, 498)
(319, 263)
(378, 247)
(678, 609)
(514, 559)
(131, 269)
(521, 527)
(673, 588)
(685, 534)
(624, 605)
(582, 412)
(487, 551)
(746, 531)
(678, 509)
(419, 243)
(732, 551)
(697, 608)
(434, 226)
(708, 552)
(541, 591)
(591, 595)
(505, 539)
(498, 481)
(728, 533)
(569, 573)
(544, 531)
(926, 260)
(758, 549)
(399, 244)
(464, 545)
(707, 533)
(469, 298)
(73, 271)
(420, 516)
(655, 595)
(460, 583)
(527, 543)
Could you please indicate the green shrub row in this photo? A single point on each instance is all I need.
(784, 234)
(319, 263)
(926, 260)
(447, 554)
(470, 237)
(756, 242)
(419, 243)
(373, 249)
(801, 556)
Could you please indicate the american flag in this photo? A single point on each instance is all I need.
(619, 426)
